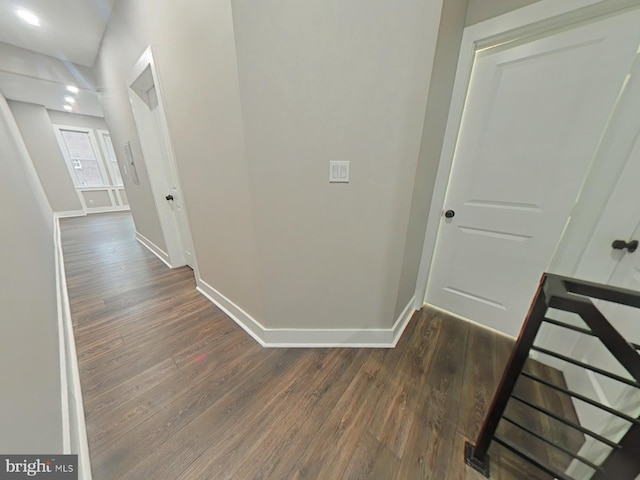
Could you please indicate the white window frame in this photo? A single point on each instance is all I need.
(58, 129)
(107, 160)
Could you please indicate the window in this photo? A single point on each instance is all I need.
(90, 166)
(79, 146)
(112, 162)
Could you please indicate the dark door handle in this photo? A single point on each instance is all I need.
(631, 246)
(169, 197)
(449, 214)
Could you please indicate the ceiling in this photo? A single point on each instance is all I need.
(71, 31)
(50, 94)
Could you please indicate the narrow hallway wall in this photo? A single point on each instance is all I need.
(30, 404)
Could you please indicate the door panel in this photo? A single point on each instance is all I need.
(532, 121)
(176, 204)
(590, 350)
(611, 197)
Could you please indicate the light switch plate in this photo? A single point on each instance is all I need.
(338, 171)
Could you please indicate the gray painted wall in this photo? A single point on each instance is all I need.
(253, 136)
(481, 10)
(47, 158)
(435, 121)
(134, 26)
(325, 80)
(30, 408)
(199, 81)
(198, 78)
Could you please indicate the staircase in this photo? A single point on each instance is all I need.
(532, 413)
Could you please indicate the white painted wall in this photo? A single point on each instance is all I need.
(30, 403)
(76, 120)
(36, 130)
(26, 63)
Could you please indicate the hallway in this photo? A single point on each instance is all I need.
(174, 389)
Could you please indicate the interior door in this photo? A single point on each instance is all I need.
(534, 113)
(174, 195)
(590, 350)
(149, 115)
(622, 267)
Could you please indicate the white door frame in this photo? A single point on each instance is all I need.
(101, 132)
(524, 22)
(58, 129)
(174, 236)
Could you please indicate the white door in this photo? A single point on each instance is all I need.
(534, 114)
(601, 263)
(612, 393)
(174, 195)
(163, 175)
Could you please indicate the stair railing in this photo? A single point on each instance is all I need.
(570, 295)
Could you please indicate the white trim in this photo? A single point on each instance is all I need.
(57, 129)
(176, 227)
(403, 320)
(118, 208)
(522, 17)
(153, 248)
(62, 320)
(158, 177)
(69, 214)
(112, 198)
(83, 203)
(237, 314)
(107, 159)
(99, 189)
(69, 372)
(597, 387)
(115, 199)
(538, 16)
(308, 337)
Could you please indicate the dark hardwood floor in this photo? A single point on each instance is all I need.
(174, 389)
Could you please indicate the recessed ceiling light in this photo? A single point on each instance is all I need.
(28, 17)
(70, 100)
(72, 89)
(68, 108)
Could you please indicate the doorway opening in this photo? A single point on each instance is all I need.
(146, 101)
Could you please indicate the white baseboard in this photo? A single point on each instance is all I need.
(69, 214)
(308, 337)
(403, 320)
(153, 248)
(62, 325)
(74, 439)
(117, 208)
(237, 314)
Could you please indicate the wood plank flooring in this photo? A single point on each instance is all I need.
(174, 389)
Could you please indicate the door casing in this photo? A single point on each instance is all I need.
(535, 19)
(177, 234)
